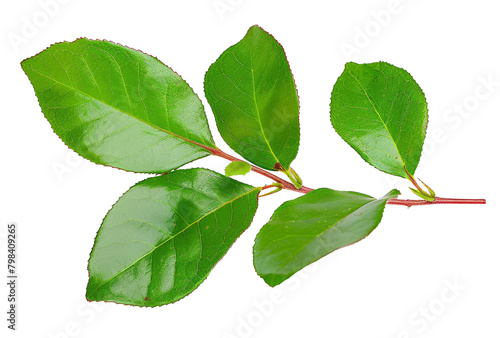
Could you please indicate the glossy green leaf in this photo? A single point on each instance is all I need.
(381, 112)
(303, 230)
(119, 107)
(238, 168)
(253, 96)
(163, 236)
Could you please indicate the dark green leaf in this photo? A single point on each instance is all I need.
(303, 230)
(119, 107)
(238, 168)
(253, 96)
(381, 112)
(163, 236)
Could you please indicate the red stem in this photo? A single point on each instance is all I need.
(438, 200)
(289, 186)
(285, 184)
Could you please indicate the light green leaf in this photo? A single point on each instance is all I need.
(303, 230)
(238, 168)
(253, 96)
(381, 112)
(164, 236)
(119, 107)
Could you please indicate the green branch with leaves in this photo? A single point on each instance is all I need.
(119, 107)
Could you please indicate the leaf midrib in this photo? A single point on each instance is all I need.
(379, 116)
(206, 147)
(255, 102)
(173, 237)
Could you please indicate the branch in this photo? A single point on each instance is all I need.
(438, 200)
(286, 185)
(304, 190)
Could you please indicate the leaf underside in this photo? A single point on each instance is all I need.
(381, 112)
(119, 107)
(252, 93)
(303, 230)
(163, 236)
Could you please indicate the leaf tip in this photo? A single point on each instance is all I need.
(256, 28)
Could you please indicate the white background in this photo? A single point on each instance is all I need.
(376, 288)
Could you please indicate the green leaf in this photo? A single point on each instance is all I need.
(381, 112)
(163, 236)
(238, 168)
(303, 230)
(119, 107)
(253, 96)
